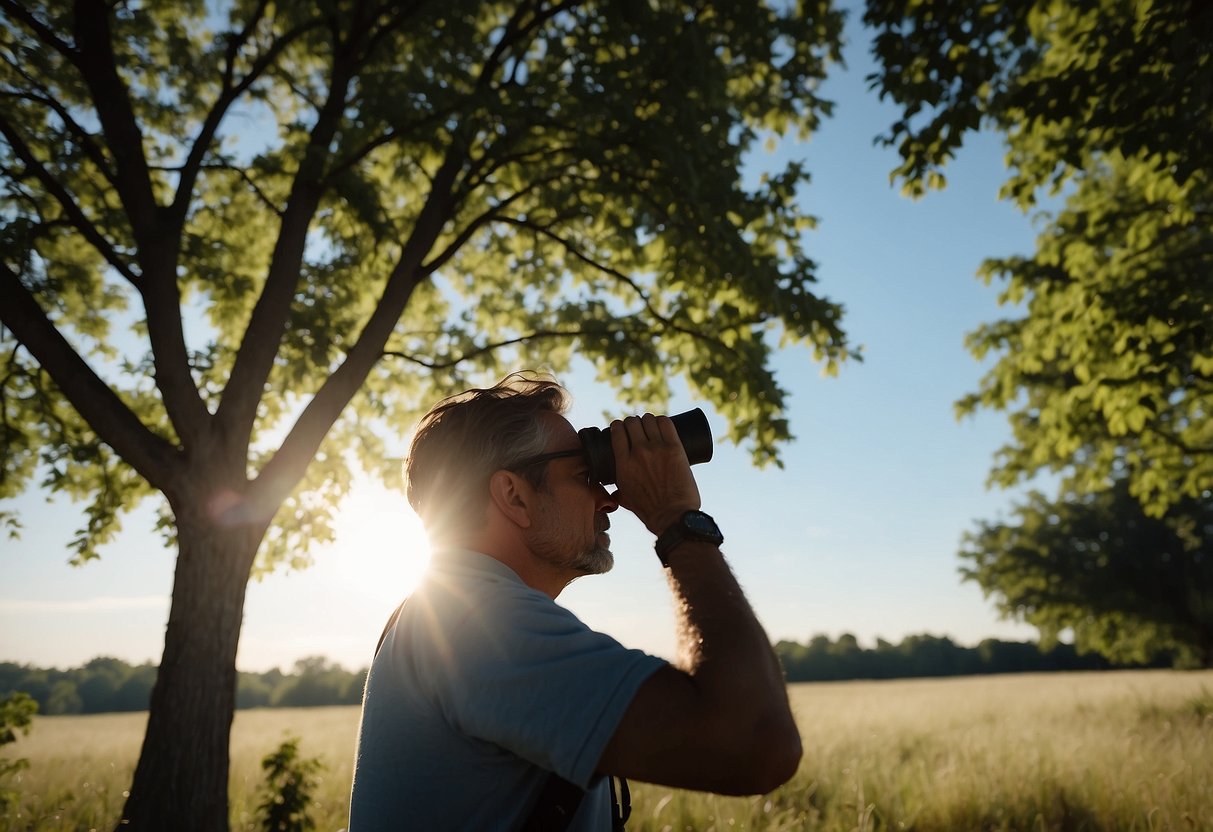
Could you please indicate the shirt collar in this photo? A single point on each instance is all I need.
(471, 559)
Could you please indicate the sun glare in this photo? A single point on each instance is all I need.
(381, 549)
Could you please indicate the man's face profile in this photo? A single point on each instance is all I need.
(571, 522)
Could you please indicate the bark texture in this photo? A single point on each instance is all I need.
(183, 765)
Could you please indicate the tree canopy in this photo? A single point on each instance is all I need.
(1108, 106)
(244, 242)
(1104, 364)
(532, 175)
(1128, 585)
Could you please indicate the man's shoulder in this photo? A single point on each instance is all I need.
(463, 578)
(469, 597)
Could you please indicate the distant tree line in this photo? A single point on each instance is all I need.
(107, 684)
(823, 660)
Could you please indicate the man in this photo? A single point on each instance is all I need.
(486, 696)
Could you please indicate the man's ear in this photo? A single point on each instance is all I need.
(513, 496)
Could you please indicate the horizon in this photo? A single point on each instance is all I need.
(875, 648)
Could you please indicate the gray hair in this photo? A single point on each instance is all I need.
(464, 439)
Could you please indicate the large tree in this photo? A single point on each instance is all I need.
(1105, 364)
(1126, 584)
(241, 243)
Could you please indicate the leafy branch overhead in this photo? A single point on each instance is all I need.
(1105, 365)
(219, 222)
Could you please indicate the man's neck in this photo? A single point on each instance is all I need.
(534, 572)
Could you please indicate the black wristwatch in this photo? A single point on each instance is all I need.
(692, 525)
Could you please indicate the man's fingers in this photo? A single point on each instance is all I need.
(651, 427)
(668, 432)
(645, 427)
(618, 432)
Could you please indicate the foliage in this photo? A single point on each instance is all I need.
(317, 681)
(101, 685)
(922, 656)
(16, 712)
(105, 685)
(1064, 82)
(287, 794)
(1110, 371)
(1126, 584)
(1105, 366)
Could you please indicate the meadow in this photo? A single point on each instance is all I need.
(1126, 750)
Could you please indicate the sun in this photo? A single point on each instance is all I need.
(380, 550)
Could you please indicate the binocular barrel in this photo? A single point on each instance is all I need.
(693, 431)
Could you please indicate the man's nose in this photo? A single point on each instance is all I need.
(606, 502)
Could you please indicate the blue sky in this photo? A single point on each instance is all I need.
(857, 534)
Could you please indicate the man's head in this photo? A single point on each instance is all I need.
(464, 439)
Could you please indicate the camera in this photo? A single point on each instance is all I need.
(693, 432)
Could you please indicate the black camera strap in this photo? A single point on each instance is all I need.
(558, 802)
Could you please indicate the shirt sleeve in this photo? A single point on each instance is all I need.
(527, 675)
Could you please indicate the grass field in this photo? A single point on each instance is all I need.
(1108, 751)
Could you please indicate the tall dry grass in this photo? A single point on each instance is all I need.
(1111, 751)
(1108, 751)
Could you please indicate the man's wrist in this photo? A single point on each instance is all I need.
(667, 518)
(690, 526)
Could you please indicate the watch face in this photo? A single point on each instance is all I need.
(700, 523)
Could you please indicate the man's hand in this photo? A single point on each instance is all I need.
(654, 477)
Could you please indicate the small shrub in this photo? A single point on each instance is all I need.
(16, 712)
(288, 790)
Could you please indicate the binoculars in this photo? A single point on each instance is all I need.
(693, 432)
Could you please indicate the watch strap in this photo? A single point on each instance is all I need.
(692, 525)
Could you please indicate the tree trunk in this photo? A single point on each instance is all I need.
(181, 781)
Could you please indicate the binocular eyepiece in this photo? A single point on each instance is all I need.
(693, 432)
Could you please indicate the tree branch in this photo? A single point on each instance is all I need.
(43, 32)
(241, 172)
(1174, 441)
(82, 136)
(158, 243)
(255, 358)
(288, 465)
(515, 31)
(488, 164)
(619, 276)
(388, 136)
(390, 23)
(215, 116)
(112, 101)
(73, 211)
(361, 153)
(537, 335)
(376, 37)
(478, 223)
(153, 457)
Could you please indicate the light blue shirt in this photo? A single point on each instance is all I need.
(484, 686)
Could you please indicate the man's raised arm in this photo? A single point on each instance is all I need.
(720, 720)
